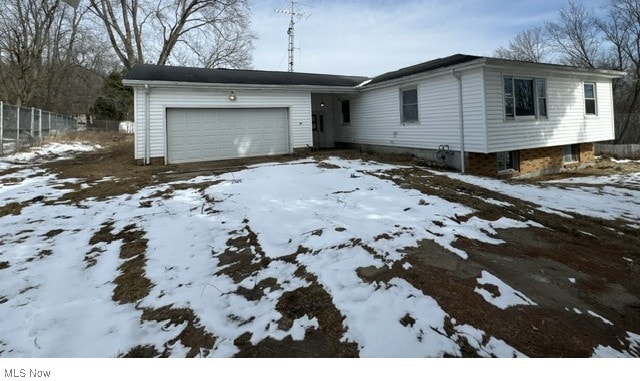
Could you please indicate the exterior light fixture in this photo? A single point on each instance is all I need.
(321, 104)
(232, 96)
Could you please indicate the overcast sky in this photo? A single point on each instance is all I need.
(375, 36)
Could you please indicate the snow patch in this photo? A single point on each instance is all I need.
(606, 321)
(507, 297)
(601, 198)
(633, 345)
(55, 151)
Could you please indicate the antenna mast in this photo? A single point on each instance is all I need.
(294, 14)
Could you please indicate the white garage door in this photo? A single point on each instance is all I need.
(214, 134)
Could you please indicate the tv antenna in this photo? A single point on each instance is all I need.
(295, 14)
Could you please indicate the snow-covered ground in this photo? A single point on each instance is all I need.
(54, 305)
(607, 197)
(60, 151)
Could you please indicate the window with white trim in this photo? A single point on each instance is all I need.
(409, 102)
(590, 98)
(507, 161)
(525, 97)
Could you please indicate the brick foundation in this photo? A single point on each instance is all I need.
(587, 153)
(482, 164)
(540, 160)
(532, 161)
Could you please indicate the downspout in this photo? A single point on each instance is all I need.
(460, 118)
(147, 128)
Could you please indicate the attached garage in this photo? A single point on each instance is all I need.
(203, 134)
(185, 114)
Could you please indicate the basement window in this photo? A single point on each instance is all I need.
(571, 153)
(507, 161)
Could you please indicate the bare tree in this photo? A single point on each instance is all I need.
(208, 32)
(25, 26)
(529, 45)
(574, 35)
(621, 28)
(40, 55)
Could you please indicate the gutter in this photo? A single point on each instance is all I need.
(147, 127)
(460, 117)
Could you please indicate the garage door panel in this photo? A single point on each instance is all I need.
(213, 134)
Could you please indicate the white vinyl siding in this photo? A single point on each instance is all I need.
(565, 123)
(297, 102)
(473, 111)
(376, 119)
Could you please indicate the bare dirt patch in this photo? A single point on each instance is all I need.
(193, 336)
(12, 208)
(131, 284)
(243, 256)
(312, 301)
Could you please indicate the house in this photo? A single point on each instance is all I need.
(502, 117)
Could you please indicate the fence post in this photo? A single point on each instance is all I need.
(40, 124)
(32, 120)
(1, 128)
(18, 128)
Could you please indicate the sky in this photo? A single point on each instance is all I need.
(373, 37)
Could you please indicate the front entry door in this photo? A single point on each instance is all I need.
(317, 126)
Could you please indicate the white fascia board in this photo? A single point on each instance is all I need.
(552, 68)
(234, 86)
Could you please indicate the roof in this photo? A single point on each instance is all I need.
(424, 67)
(259, 77)
(144, 72)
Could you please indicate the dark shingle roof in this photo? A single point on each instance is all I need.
(260, 77)
(248, 77)
(424, 67)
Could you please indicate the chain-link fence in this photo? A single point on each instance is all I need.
(26, 126)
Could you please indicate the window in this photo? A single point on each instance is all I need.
(541, 91)
(525, 97)
(571, 153)
(409, 101)
(590, 98)
(346, 112)
(507, 161)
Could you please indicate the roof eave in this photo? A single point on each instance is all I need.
(244, 86)
(508, 64)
